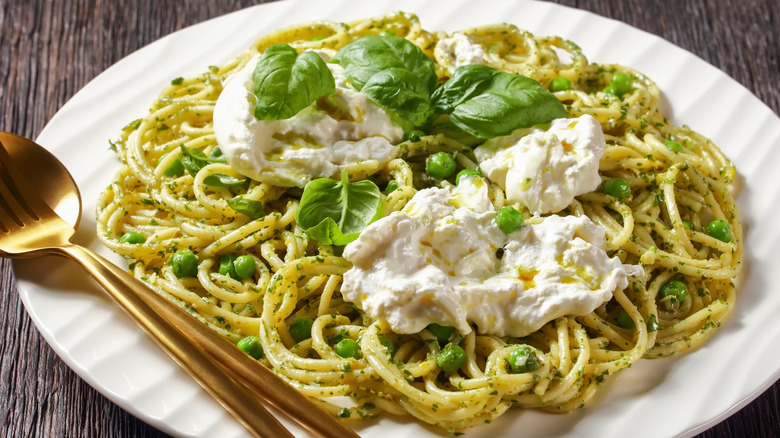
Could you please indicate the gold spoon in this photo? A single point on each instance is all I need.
(30, 227)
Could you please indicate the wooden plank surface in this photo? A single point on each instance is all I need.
(49, 49)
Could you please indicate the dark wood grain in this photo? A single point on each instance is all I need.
(49, 49)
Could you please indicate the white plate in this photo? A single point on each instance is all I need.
(678, 396)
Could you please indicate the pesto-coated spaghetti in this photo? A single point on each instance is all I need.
(678, 221)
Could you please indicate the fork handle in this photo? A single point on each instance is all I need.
(260, 380)
(136, 299)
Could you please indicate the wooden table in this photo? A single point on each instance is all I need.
(49, 49)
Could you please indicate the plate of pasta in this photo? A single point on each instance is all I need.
(479, 222)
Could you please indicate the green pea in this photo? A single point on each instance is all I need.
(688, 224)
(617, 188)
(300, 328)
(132, 237)
(347, 348)
(184, 263)
(523, 359)
(389, 345)
(652, 324)
(440, 165)
(720, 230)
(442, 333)
(176, 168)
(413, 135)
(451, 358)
(244, 267)
(621, 83)
(391, 187)
(226, 266)
(673, 145)
(672, 293)
(509, 219)
(625, 321)
(251, 345)
(609, 90)
(560, 84)
(465, 172)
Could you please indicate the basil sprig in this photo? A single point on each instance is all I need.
(335, 212)
(286, 82)
(486, 102)
(393, 72)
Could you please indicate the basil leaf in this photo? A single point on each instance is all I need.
(393, 72)
(195, 154)
(195, 159)
(371, 54)
(222, 180)
(175, 169)
(216, 156)
(253, 209)
(464, 84)
(285, 82)
(493, 106)
(401, 92)
(335, 212)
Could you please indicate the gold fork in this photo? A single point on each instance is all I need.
(30, 228)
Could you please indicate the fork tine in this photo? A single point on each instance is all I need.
(20, 206)
(12, 197)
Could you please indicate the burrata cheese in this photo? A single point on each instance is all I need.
(335, 132)
(545, 170)
(442, 259)
(458, 50)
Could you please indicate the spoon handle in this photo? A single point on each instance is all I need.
(128, 293)
(132, 293)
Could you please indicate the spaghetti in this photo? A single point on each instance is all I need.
(679, 182)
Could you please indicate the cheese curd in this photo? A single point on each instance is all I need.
(458, 50)
(333, 133)
(442, 259)
(545, 170)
